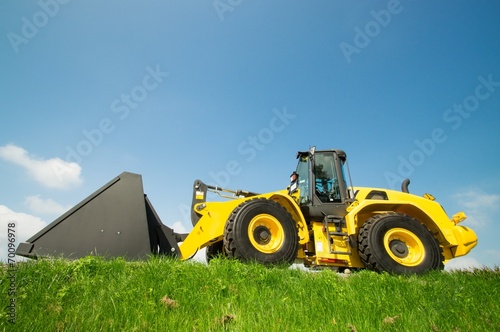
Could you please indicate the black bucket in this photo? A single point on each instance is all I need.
(117, 220)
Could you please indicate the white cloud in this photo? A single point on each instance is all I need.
(463, 263)
(477, 199)
(25, 227)
(51, 173)
(479, 206)
(178, 227)
(45, 206)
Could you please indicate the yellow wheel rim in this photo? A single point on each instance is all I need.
(404, 247)
(266, 233)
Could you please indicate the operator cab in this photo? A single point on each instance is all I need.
(321, 183)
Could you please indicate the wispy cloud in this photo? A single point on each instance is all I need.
(26, 226)
(40, 205)
(51, 173)
(479, 206)
(179, 227)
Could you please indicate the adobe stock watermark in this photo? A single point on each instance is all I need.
(373, 28)
(12, 232)
(454, 118)
(121, 108)
(223, 6)
(31, 26)
(247, 150)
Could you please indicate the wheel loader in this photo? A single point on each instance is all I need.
(320, 220)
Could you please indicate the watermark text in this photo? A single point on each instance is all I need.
(11, 272)
(373, 28)
(31, 26)
(454, 118)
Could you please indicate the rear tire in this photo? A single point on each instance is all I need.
(397, 243)
(261, 230)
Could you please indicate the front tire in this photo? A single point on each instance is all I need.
(397, 243)
(214, 250)
(261, 230)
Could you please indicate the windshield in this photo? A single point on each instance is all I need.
(326, 181)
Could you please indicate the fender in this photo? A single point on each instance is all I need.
(455, 240)
(213, 216)
(289, 203)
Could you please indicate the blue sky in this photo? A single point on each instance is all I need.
(228, 92)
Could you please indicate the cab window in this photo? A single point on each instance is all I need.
(325, 178)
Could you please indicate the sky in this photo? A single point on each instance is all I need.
(228, 91)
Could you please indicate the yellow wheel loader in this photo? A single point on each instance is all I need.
(319, 220)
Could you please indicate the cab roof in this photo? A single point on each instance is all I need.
(342, 155)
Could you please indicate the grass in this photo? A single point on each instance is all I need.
(164, 294)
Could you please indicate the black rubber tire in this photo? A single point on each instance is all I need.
(214, 250)
(237, 242)
(375, 256)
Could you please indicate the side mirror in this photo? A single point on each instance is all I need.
(294, 183)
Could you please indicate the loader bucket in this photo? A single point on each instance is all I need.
(117, 220)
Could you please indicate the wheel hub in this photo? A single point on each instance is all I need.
(262, 235)
(398, 248)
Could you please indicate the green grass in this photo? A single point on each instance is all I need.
(163, 294)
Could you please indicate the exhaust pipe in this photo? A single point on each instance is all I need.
(117, 220)
(404, 186)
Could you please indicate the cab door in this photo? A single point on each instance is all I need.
(322, 184)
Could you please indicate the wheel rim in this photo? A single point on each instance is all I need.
(266, 233)
(404, 247)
